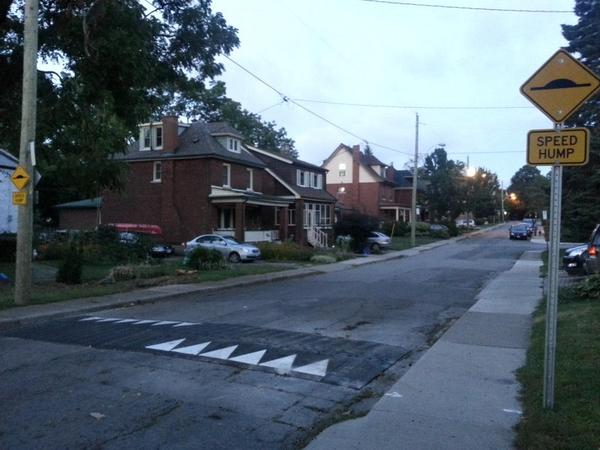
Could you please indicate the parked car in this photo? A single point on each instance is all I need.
(519, 231)
(574, 258)
(591, 262)
(232, 250)
(463, 223)
(438, 228)
(531, 226)
(378, 241)
(157, 250)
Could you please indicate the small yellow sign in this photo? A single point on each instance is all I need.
(19, 198)
(20, 178)
(560, 86)
(567, 147)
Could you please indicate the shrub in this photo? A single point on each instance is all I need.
(358, 227)
(204, 259)
(53, 250)
(284, 251)
(589, 289)
(8, 247)
(399, 228)
(70, 270)
(421, 228)
(323, 259)
(123, 273)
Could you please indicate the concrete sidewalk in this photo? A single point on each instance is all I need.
(462, 394)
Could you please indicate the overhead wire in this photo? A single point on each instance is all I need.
(471, 8)
(313, 113)
(388, 106)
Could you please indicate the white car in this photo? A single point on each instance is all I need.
(232, 250)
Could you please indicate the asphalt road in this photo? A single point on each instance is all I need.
(267, 366)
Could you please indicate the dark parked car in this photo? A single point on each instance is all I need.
(157, 250)
(520, 231)
(531, 226)
(591, 263)
(574, 258)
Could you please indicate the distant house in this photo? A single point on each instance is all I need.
(361, 182)
(8, 211)
(198, 178)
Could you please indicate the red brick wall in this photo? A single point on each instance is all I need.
(179, 203)
(77, 219)
(404, 197)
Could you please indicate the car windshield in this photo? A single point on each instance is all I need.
(231, 240)
(520, 228)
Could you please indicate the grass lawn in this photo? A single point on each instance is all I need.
(162, 274)
(575, 422)
(402, 243)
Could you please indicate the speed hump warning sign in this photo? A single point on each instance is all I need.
(567, 147)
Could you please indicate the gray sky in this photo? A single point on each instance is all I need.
(373, 53)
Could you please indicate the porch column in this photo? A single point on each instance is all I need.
(300, 233)
(397, 214)
(240, 221)
(283, 223)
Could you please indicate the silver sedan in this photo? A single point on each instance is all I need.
(232, 250)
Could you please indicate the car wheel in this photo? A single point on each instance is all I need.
(234, 258)
(375, 247)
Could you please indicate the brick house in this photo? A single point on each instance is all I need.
(304, 184)
(199, 178)
(361, 182)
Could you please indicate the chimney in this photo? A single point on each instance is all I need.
(170, 133)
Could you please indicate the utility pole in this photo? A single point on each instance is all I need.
(502, 201)
(28, 125)
(413, 209)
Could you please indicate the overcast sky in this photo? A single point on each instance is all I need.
(355, 51)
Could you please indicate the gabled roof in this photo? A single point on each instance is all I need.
(89, 203)
(7, 161)
(223, 129)
(366, 161)
(370, 160)
(285, 158)
(196, 141)
(403, 178)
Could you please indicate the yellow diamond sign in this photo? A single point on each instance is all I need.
(20, 178)
(560, 86)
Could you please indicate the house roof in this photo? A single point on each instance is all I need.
(285, 158)
(365, 160)
(370, 160)
(196, 141)
(7, 161)
(88, 203)
(403, 178)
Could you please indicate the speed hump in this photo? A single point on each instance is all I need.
(567, 147)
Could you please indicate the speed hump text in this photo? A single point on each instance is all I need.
(566, 147)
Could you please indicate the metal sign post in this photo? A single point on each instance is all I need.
(552, 299)
(558, 89)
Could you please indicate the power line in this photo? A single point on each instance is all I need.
(386, 106)
(270, 107)
(290, 100)
(471, 8)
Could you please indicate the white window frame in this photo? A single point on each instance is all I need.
(222, 224)
(227, 167)
(277, 212)
(342, 170)
(291, 216)
(300, 178)
(153, 134)
(320, 181)
(250, 180)
(157, 172)
(233, 145)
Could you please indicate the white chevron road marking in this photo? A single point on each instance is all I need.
(191, 349)
(250, 358)
(165, 346)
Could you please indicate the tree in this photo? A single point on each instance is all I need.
(444, 193)
(531, 193)
(483, 194)
(217, 106)
(122, 64)
(581, 209)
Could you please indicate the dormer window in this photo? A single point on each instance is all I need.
(234, 145)
(151, 137)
